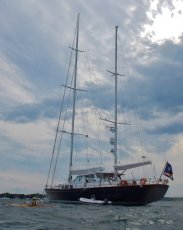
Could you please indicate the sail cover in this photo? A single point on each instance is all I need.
(88, 171)
(130, 166)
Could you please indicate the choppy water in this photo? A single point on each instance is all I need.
(160, 215)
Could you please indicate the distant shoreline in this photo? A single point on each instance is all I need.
(38, 195)
(172, 198)
(21, 196)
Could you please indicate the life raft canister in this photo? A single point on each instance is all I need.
(124, 182)
(143, 181)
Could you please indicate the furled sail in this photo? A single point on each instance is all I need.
(130, 166)
(88, 171)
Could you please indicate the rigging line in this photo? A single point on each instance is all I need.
(85, 131)
(65, 116)
(140, 131)
(87, 122)
(88, 96)
(60, 120)
(99, 140)
(53, 151)
(60, 113)
(142, 141)
(88, 67)
(67, 105)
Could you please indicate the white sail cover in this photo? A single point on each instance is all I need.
(88, 171)
(130, 166)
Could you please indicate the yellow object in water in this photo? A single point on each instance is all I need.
(35, 203)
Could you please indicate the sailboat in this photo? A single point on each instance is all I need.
(95, 181)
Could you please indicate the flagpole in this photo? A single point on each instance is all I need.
(163, 171)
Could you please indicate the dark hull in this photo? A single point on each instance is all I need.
(125, 195)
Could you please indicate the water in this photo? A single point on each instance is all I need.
(160, 215)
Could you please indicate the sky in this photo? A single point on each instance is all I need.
(34, 56)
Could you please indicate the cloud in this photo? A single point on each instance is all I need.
(46, 108)
(27, 139)
(161, 78)
(14, 86)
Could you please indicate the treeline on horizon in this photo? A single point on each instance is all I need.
(172, 198)
(21, 196)
(38, 195)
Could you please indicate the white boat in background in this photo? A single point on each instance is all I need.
(92, 200)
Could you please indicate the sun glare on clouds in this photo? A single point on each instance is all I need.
(165, 22)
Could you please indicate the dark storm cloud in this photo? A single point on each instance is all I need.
(26, 43)
(169, 129)
(48, 108)
(161, 87)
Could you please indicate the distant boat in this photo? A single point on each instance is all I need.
(112, 186)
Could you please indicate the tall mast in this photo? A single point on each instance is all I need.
(74, 100)
(115, 109)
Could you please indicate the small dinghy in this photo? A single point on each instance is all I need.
(92, 200)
